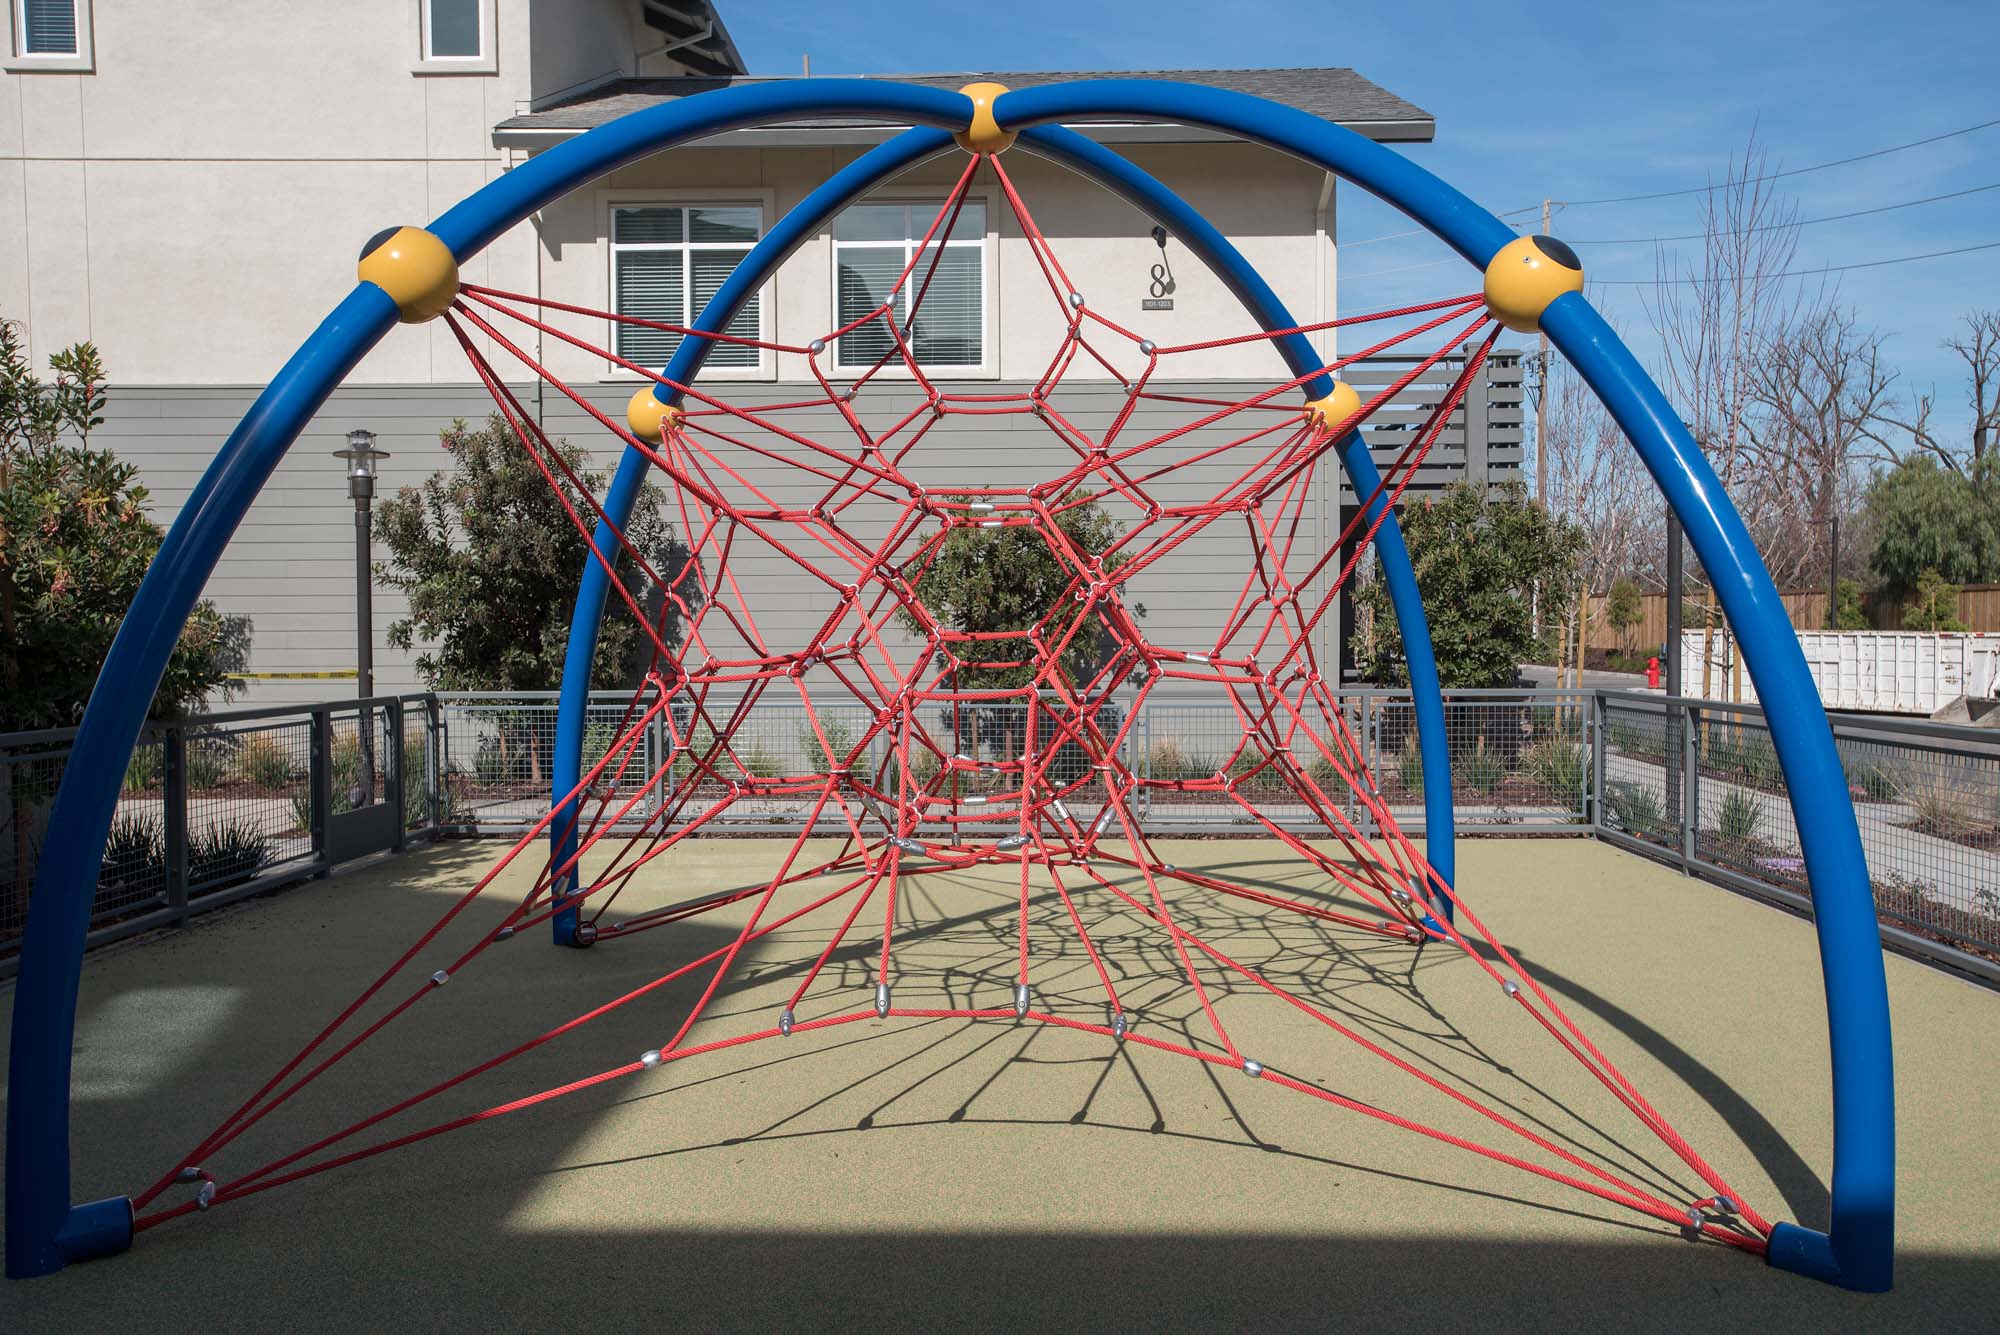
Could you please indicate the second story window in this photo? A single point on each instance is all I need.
(454, 29)
(872, 245)
(49, 35)
(48, 27)
(666, 262)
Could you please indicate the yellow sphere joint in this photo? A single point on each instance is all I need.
(1528, 274)
(984, 135)
(1339, 406)
(649, 418)
(414, 268)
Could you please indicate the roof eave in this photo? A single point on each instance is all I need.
(536, 138)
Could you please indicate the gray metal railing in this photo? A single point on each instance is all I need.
(221, 806)
(233, 804)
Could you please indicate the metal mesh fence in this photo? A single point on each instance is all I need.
(215, 806)
(249, 801)
(133, 876)
(1929, 811)
(1639, 754)
(1516, 760)
(421, 794)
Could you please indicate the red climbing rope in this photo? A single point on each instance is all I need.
(926, 748)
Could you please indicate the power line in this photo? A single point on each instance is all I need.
(1704, 189)
(1776, 226)
(1792, 171)
(1794, 273)
(1425, 231)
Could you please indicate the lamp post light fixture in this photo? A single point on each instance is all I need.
(361, 456)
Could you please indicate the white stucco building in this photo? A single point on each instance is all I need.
(187, 185)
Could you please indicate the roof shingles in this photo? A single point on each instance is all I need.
(1335, 94)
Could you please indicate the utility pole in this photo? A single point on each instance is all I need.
(1542, 402)
(1542, 455)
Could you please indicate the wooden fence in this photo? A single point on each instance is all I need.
(1978, 608)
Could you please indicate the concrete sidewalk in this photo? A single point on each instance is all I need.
(947, 1174)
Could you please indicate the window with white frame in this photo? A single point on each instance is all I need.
(50, 34)
(667, 260)
(872, 244)
(455, 30)
(47, 27)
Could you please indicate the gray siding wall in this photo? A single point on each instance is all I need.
(290, 569)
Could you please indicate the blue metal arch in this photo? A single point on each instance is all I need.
(1857, 1250)
(44, 1231)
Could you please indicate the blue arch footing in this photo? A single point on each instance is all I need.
(45, 1231)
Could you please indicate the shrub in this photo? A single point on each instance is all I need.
(1935, 606)
(266, 761)
(1410, 770)
(1635, 740)
(1940, 806)
(1635, 810)
(839, 741)
(489, 532)
(135, 854)
(142, 771)
(761, 763)
(346, 760)
(924, 766)
(1480, 770)
(1168, 760)
(417, 808)
(1557, 765)
(1479, 556)
(1267, 779)
(75, 541)
(1736, 821)
(1875, 781)
(1759, 759)
(226, 854)
(207, 761)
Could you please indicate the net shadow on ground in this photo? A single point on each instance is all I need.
(466, 1227)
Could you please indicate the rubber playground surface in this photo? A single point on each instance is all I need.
(959, 1174)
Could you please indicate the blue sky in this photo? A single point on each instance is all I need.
(1584, 101)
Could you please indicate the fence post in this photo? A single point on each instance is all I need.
(434, 771)
(321, 782)
(398, 772)
(1145, 762)
(1689, 752)
(1593, 780)
(174, 791)
(1371, 755)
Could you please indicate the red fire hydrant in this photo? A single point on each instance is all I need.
(1653, 673)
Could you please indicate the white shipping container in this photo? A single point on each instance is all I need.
(1885, 671)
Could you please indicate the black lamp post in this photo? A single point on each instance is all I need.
(361, 456)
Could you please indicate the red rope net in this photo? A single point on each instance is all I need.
(929, 748)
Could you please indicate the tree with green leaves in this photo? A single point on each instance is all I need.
(1002, 581)
(1623, 609)
(1928, 517)
(75, 541)
(1935, 606)
(1848, 614)
(488, 557)
(1478, 557)
(485, 553)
